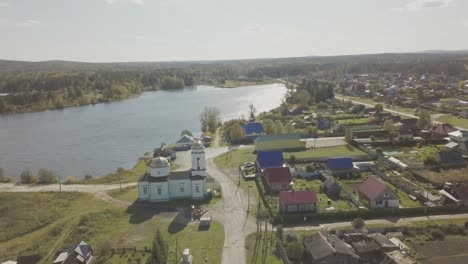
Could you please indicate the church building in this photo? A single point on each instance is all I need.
(160, 184)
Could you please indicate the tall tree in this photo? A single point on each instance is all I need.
(210, 119)
(252, 111)
(379, 108)
(236, 132)
(424, 120)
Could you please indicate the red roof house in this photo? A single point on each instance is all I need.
(377, 194)
(441, 130)
(298, 201)
(277, 179)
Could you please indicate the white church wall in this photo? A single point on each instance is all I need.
(159, 191)
(198, 189)
(159, 171)
(180, 188)
(144, 190)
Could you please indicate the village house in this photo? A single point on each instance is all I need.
(293, 110)
(76, 254)
(450, 159)
(298, 201)
(269, 159)
(340, 166)
(160, 184)
(252, 130)
(277, 179)
(323, 249)
(283, 142)
(377, 195)
(441, 130)
(184, 143)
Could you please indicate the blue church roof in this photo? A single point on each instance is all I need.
(270, 159)
(253, 128)
(340, 163)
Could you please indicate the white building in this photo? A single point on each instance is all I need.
(160, 184)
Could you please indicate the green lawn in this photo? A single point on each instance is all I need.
(455, 121)
(233, 159)
(49, 222)
(338, 151)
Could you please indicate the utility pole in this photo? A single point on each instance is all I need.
(248, 199)
(60, 183)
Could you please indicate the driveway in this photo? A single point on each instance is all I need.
(324, 142)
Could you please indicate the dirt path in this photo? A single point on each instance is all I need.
(232, 212)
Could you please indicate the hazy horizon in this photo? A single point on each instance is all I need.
(206, 30)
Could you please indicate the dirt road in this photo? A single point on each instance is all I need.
(232, 212)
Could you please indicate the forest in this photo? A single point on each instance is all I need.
(35, 86)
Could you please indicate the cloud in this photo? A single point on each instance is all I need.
(416, 5)
(254, 28)
(4, 4)
(136, 2)
(10, 23)
(465, 22)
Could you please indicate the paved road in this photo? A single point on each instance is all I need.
(184, 160)
(390, 110)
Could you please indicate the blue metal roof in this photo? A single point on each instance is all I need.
(270, 159)
(253, 128)
(340, 163)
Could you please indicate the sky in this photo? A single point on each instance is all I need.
(179, 30)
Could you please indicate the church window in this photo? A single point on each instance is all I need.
(181, 187)
(198, 163)
(145, 189)
(159, 190)
(197, 188)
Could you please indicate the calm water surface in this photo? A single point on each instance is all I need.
(97, 139)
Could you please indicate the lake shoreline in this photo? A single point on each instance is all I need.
(143, 90)
(97, 140)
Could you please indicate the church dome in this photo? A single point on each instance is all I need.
(159, 162)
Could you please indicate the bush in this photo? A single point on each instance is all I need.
(379, 150)
(437, 234)
(358, 223)
(294, 250)
(27, 177)
(88, 177)
(46, 176)
(120, 170)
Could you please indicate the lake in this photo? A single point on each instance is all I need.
(97, 139)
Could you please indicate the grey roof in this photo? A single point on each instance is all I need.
(159, 162)
(331, 183)
(320, 246)
(186, 139)
(180, 175)
(147, 178)
(382, 240)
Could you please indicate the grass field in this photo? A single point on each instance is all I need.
(338, 151)
(45, 223)
(354, 121)
(235, 158)
(450, 175)
(456, 121)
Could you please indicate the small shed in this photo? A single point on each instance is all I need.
(205, 221)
